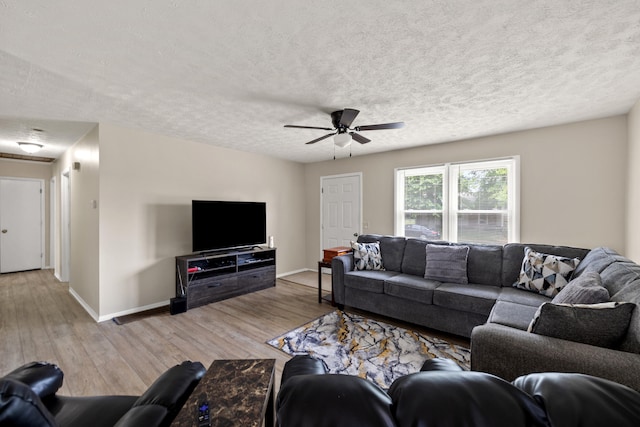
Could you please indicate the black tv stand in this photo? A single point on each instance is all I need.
(215, 276)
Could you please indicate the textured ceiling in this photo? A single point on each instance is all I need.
(233, 73)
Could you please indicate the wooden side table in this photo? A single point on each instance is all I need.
(239, 393)
(321, 265)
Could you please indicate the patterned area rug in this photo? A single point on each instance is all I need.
(354, 345)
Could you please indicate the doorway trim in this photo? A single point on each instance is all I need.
(65, 220)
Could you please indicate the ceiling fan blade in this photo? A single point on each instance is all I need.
(361, 139)
(321, 138)
(306, 127)
(396, 125)
(348, 116)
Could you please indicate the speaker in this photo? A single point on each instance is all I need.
(177, 305)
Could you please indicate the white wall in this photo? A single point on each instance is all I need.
(147, 183)
(633, 182)
(573, 182)
(84, 239)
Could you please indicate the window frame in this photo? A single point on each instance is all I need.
(450, 209)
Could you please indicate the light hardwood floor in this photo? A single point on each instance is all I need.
(40, 320)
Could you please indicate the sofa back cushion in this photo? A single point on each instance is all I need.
(484, 265)
(622, 280)
(392, 251)
(513, 254)
(415, 257)
(597, 260)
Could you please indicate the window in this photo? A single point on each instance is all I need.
(464, 202)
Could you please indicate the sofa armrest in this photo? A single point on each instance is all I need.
(509, 353)
(172, 389)
(45, 379)
(339, 266)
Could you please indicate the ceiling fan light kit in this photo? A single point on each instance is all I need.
(342, 131)
(342, 139)
(30, 147)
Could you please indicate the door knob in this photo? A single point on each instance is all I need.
(4, 231)
(355, 234)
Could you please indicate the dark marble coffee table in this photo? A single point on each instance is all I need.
(239, 392)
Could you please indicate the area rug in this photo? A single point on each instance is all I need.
(354, 345)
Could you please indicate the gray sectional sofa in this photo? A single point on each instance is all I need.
(489, 310)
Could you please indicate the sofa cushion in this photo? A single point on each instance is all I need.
(368, 280)
(513, 254)
(411, 287)
(602, 325)
(572, 399)
(414, 261)
(597, 260)
(512, 314)
(461, 399)
(366, 256)
(472, 298)
(447, 263)
(545, 273)
(484, 265)
(586, 289)
(519, 296)
(631, 293)
(392, 252)
(344, 401)
(618, 274)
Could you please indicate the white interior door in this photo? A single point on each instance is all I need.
(341, 209)
(21, 213)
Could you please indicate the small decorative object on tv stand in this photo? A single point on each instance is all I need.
(206, 278)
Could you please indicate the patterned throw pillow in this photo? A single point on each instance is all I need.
(602, 325)
(367, 256)
(545, 273)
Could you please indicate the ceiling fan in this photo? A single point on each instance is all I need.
(342, 120)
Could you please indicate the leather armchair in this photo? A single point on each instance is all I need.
(443, 395)
(28, 398)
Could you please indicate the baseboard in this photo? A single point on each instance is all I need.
(133, 310)
(84, 305)
(106, 317)
(302, 270)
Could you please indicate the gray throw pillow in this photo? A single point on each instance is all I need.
(586, 289)
(602, 325)
(447, 263)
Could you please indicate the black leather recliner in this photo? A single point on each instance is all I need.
(443, 395)
(28, 398)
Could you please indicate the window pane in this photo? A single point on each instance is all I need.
(483, 227)
(482, 189)
(423, 192)
(426, 226)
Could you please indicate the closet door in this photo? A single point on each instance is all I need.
(21, 222)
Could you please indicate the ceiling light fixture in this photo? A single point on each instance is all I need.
(342, 139)
(30, 147)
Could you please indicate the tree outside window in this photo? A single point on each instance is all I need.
(471, 202)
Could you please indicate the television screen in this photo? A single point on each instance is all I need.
(223, 224)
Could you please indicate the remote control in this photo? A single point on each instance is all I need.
(203, 412)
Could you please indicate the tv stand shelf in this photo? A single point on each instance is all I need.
(210, 277)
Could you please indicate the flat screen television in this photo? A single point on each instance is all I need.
(217, 225)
